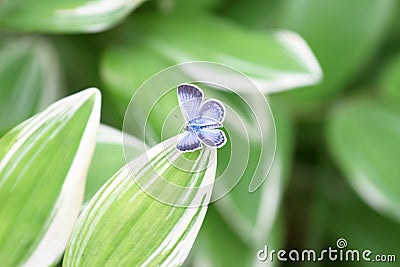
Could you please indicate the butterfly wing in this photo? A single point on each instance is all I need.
(213, 111)
(189, 98)
(188, 141)
(212, 137)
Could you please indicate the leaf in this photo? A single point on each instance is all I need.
(109, 142)
(390, 80)
(43, 167)
(64, 16)
(218, 246)
(364, 138)
(342, 35)
(125, 226)
(254, 13)
(195, 5)
(82, 48)
(274, 61)
(122, 77)
(30, 79)
(376, 233)
(340, 213)
(252, 215)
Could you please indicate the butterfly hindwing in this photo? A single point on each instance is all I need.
(189, 98)
(212, 137)
(188, 141)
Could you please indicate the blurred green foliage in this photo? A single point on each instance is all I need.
(390, 80)
(30, 79)
(338, 141)
(363, 137)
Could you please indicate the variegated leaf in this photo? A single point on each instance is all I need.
(126, 226)
(109, 157)
(64, 16)
(43, 166)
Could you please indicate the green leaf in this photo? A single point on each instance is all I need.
(85, 49)
(252, 215)
(123, 76)
(390, 80)
(343, 36)
(275, 61)
(126, 226)
(253, 13)
(340, 213)
(364, 138)
(43, 166)
(64, 15)
(376, 233)
(109, 142)
(192, 6)
(219, 246)
(29, 75)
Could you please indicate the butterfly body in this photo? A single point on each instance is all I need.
(202, 120)
(193, 127)
(198, 124)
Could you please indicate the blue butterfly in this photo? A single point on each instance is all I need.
(202, 120)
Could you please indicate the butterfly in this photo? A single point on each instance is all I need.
(202, 120)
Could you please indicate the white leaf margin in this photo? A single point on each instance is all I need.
(285, 80)
(278, 81)
(373, 195)
(97, 9)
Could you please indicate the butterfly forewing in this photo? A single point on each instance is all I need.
(213, 110)
(189, 98)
